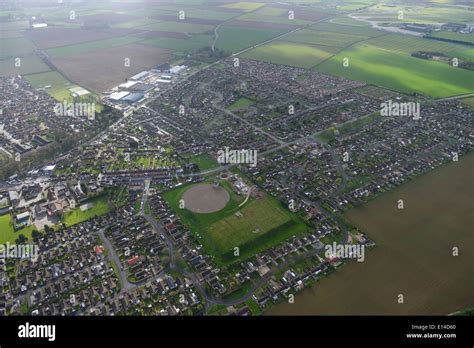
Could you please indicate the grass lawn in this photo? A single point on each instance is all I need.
(204, 161)
(8, 234)
(468, 101)
(327, 135)
(241, 103)
(400, 71)
(264, 223)
(288, 53)
(76, 216)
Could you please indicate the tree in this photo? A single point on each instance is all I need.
(21, 239)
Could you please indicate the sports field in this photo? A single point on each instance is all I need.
(241, 103)
(254, 227)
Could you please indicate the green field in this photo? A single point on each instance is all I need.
(329, 134)
(76, 216)
(325, 38)
(183, 45)
(469, 102)
(91, 46)
(244, 5)
(204, 161)
(345, 29)
(28, 65)
(241, 103)
(288, 53)
(234, 39)
(8, 234)
(59, 85)
(449, 35)
(264, 223)
(178, 27)
(15, 47)
(409, 44)
(400, 71)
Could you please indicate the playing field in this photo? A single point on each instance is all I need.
(254, 227)
(241, 103)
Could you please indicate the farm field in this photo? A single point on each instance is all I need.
(447, 35)
(413, 256)
(324, 38)
(28, 65)
(177, 27)
(181, 45)
(293, 54)
(399, 71)
(83, 69)
(244, 5)
(222, 231)
(91, 46)
(14, 47)
(234, 39)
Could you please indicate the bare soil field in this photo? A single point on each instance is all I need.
(103, 69)
(57, 37)
(414, 253)
(205, 198)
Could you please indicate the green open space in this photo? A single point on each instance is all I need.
(101, 206)
(235, 38)
(329, 134)
(8, 233)
(241, 103)
(288, 53)
(90, 46)
(204, 161)
(400, 71)
(26, 65)
(253, 227)
(183, 45)
(325, 38)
